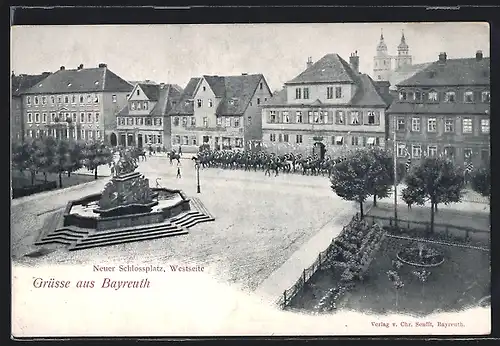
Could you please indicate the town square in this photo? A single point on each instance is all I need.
(353, 178)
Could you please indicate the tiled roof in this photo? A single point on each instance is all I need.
(366, 95)
(405, 72)
(452, 72)
(439, 108)
(185, 104)
(23, 82)
(166, 95)
(84, 80)
(235, 92)
(329, 69)
(152, 91)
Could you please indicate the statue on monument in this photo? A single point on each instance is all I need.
(123, 163)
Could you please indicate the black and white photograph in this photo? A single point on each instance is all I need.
(250, 179)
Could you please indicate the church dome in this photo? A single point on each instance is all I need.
(403, 45)
(381, 47)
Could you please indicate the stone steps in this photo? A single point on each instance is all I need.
(198, 204)
(127, 236)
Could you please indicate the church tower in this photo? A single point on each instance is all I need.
(382, 62)
(403, 58)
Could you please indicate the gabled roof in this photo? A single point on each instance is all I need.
(23, 82)
(452, 72)
(405, 72)
(167, 94)
(235, 93)
(152, 91)
(84, 80)
(329, 69)
(278, 99)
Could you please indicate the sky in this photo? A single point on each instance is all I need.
(175, 53)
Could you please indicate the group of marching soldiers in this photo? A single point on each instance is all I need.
(267, 162)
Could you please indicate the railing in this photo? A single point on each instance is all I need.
(421, 227)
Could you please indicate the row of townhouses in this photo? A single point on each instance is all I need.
(435, 108)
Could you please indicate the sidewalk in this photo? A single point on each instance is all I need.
(287, 275)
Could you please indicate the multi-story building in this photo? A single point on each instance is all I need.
(144, 121)
(445, 110)
(327, 108)
(20, 83)
(79, 103)
(220, 111)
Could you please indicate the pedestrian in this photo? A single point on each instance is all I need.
(179, 169)
(180, 150)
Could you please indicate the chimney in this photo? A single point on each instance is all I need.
(62, 68)
(101, 65)
(309, 62)
(80, 67)
(354, 61)
(442, 57)
(479, 55)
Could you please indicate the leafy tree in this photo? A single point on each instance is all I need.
(44, 155)
(436, 180)
(481, 182)
(381, 173)
(96, 154)
(75, 153)
(62, 160)
(351, 178)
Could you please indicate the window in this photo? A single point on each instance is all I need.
(98, 134)
(418, 96)
(280, 138)
(338, 140)
(306, 93)
(338, 92)
(37, 117)
(449, 96)
(176, 121)
(298, 138)
(82, 117)
(184, 121)
(310, 117)
(130, 121)
(258, 101)
(218, 121)
(285, 138)
(354, 118)
(286, 117)
(448, 125)
(228, 122)
(177, 139)
(82, 99)
(411, 95)
(325, 117)
(113, 98)
(272, 137)
(148, 122)
(75, 118)
(402, 96)
(298, 115)
(467, 125)
(194, 140)
(272, 117)
(316, 117)
(401, 150)
(145, 105)
(432, 96)
(97, 117)
(416, 150)
(431, 125)
(415, 124)
(354, 140)
(82, 134)
(132, 106)
(260, 86)
(139, 105)
(52, 99)
(339, 118)
(210, 103)
(449, 152)
(52, 117)
(204, 88)
(485, 155)
(485, 125)
(373, 118)
(44, 100)
(237, 122)
(468, 97)
(467, 154)
(89, 117)
(329, 92)
(30, 118)
(432, 151)
(141, 121)
(66, 117)
(28, 100)
(205, 122)
(401, 124)
(138, 92)
(90, 134)
(36, 100)
(199, 103)
(485, 96)
(298, 93)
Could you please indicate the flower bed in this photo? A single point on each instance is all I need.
(420, 256)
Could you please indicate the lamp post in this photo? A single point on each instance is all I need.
(394, 157)
(197, 167)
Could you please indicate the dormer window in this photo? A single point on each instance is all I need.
(69, 84)
(132, 106)
(59, 99)
(66, 99)
(432, 96)
(418, 96)
(139, 107)
(89, 98)
(469, 97)
(485, 96)
(36, 100)
(28, 100)
(403, 96)
(52, 99)
(449, 96)
(145, 105)
(410, 95)
(96, 82)
(82, 99)
(44, 100)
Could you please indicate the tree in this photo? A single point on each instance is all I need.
(481, 182)
(435, 180)
(75, 150)
(351, 178)
(62, 159)
(96, 154)
(44, 155)
(381, 173)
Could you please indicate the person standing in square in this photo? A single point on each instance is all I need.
(179, 169)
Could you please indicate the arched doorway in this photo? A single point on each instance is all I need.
(319, 150)
(113, 139)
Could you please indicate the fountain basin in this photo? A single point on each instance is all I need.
(412, 256)
(84, 212)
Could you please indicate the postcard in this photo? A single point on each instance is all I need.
(251, 180)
